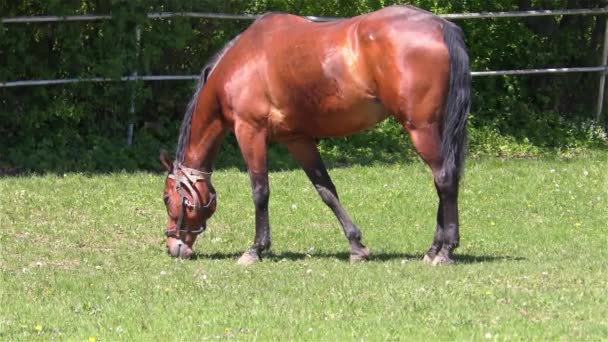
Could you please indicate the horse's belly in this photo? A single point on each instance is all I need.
(325, 121)
(355, 118)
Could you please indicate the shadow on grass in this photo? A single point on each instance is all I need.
(375, 257)
(478, 259)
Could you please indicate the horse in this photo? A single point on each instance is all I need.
(288, 80)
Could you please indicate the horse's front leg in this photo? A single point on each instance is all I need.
(253, 144)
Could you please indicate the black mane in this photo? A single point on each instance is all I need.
(184, 131)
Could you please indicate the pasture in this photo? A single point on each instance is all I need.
(82, 258)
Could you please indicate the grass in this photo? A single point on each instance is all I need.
(82, 257)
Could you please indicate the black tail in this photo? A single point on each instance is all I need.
(458, 103)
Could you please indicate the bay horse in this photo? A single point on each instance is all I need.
(286, 79)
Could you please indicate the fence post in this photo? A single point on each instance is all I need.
(600, 95)
(131, 125)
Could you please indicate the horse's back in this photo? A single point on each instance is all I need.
(323, 79)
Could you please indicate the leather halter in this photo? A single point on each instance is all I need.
(188, 178)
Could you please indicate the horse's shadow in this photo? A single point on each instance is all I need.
(375, 257)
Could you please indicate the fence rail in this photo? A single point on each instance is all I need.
(195, 77)
(603, 69)
(163, 15)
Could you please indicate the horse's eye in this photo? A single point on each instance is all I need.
(166, 200)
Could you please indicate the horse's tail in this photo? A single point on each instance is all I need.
(458, 102)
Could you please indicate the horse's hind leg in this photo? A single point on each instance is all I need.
(306, 153)
(421, 117)
(415, 94)
(427, 141)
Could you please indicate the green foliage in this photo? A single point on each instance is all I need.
(387, 143)
(534, 135)
(83, 126)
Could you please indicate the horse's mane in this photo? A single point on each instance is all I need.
(184, 131)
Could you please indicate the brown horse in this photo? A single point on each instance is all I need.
(289, 80)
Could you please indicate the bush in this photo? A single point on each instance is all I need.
(83, 126)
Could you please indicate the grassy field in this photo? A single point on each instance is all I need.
(82, 258)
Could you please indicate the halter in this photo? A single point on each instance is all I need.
(188, 178)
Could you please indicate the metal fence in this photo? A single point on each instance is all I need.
(603, 68)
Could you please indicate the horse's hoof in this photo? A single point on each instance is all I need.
(360, 255)
(427, 259)
(248, 258)
(441, 260)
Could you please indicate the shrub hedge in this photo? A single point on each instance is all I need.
(83, 127)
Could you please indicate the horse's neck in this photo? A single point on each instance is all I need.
(206, 133)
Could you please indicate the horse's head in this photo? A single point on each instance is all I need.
(190, 200)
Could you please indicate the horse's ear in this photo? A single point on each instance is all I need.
(165, 160)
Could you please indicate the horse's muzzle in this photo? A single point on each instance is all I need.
(178, 249)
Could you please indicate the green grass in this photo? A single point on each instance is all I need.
(83, 257)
